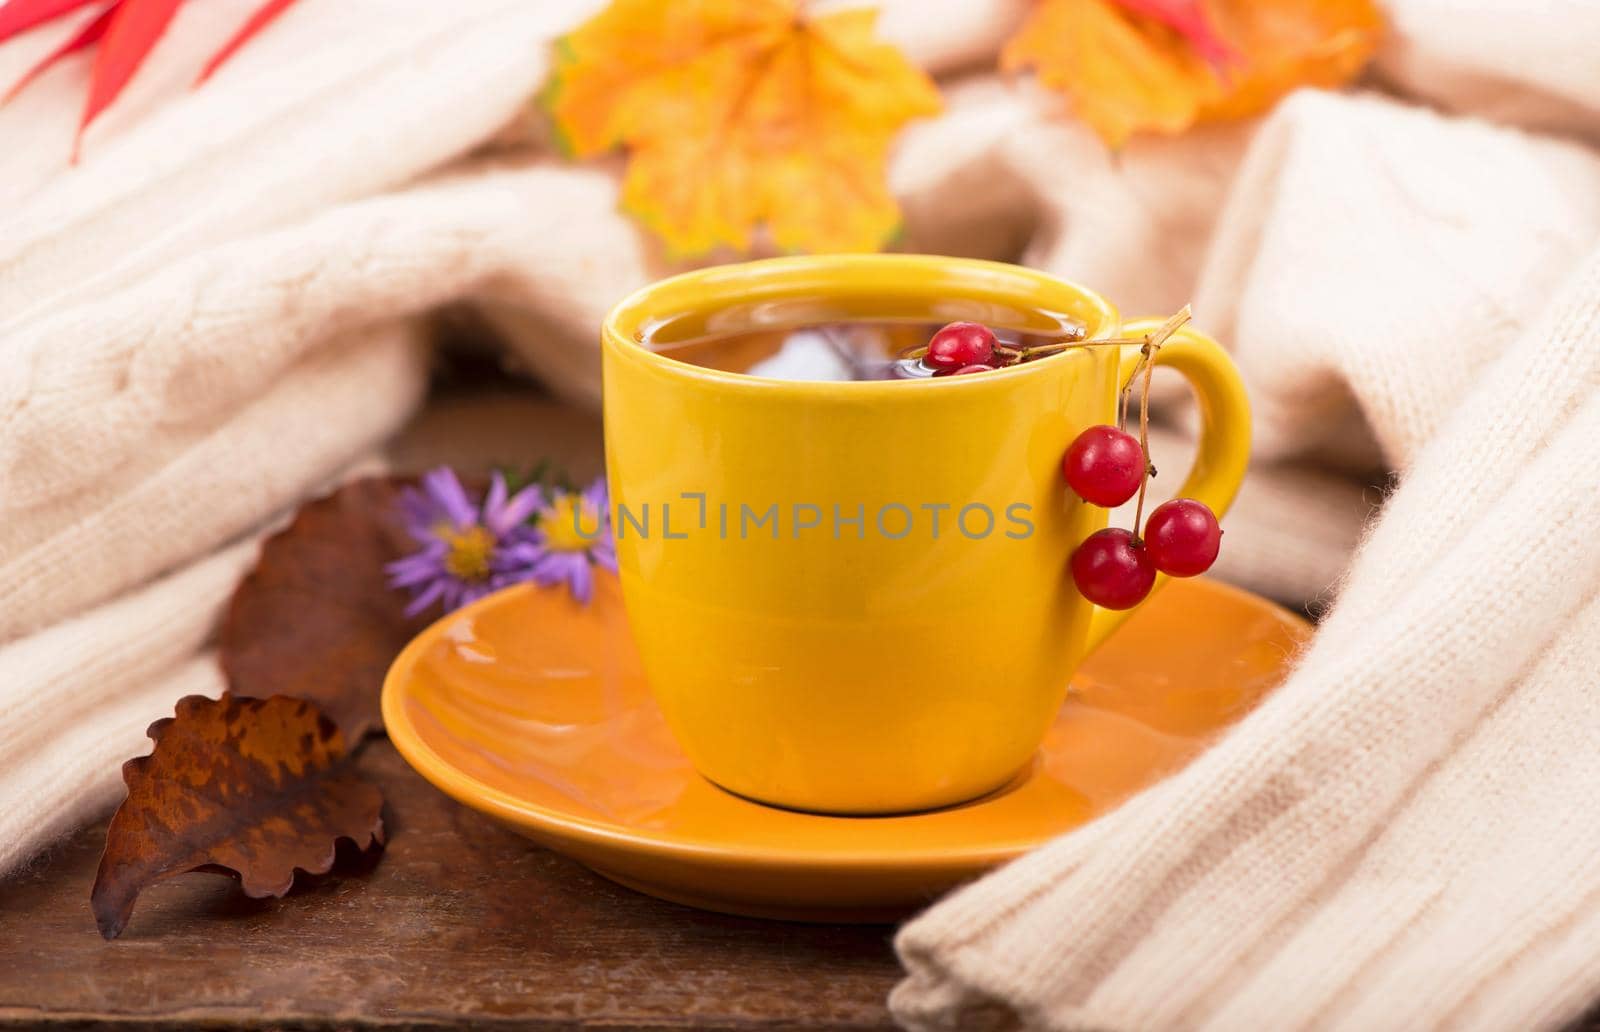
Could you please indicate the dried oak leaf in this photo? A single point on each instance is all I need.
(255, 787)
(316, 618)
(1163, 65)
(741, 112)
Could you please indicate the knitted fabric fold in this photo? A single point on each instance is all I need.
(221, 310)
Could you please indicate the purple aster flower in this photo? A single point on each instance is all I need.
(468, 549)
(572, 534)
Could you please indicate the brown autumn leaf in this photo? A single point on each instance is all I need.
(256, 787)
(316, 618)
(1132, 66)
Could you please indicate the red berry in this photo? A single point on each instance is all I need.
(975, 368)
(961, 344)
(1104, 466)
(1182, 537)
(1112, 570)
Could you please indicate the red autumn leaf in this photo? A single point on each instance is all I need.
(316, 618)
(135, 27)
(262, 17)
(1139, 66)
(255, 787)
(87, 36)
(1188, 18)
(22, 15)
(127, 31)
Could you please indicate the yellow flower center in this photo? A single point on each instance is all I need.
(470, 552)
(561, 524)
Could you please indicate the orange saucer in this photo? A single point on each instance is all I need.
(532, 708)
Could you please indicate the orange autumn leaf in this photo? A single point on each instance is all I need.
(739, 113)
(1128, 68)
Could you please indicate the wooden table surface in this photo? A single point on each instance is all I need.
(459, 923)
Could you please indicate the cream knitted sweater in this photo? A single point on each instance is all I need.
(216, 314)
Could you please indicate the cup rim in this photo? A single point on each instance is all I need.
(795, 276)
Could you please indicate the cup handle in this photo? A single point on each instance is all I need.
(1224, 448)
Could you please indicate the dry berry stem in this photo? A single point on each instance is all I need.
(1147, 366)
(1013, 355)
(1148, 354)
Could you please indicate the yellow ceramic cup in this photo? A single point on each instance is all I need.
(814, 640)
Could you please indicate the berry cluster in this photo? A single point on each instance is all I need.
(1116, 568)
(969, 347)
(1104, 466)
(962, 347)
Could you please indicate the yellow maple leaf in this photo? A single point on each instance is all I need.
(1126, 71)
(738, 113)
